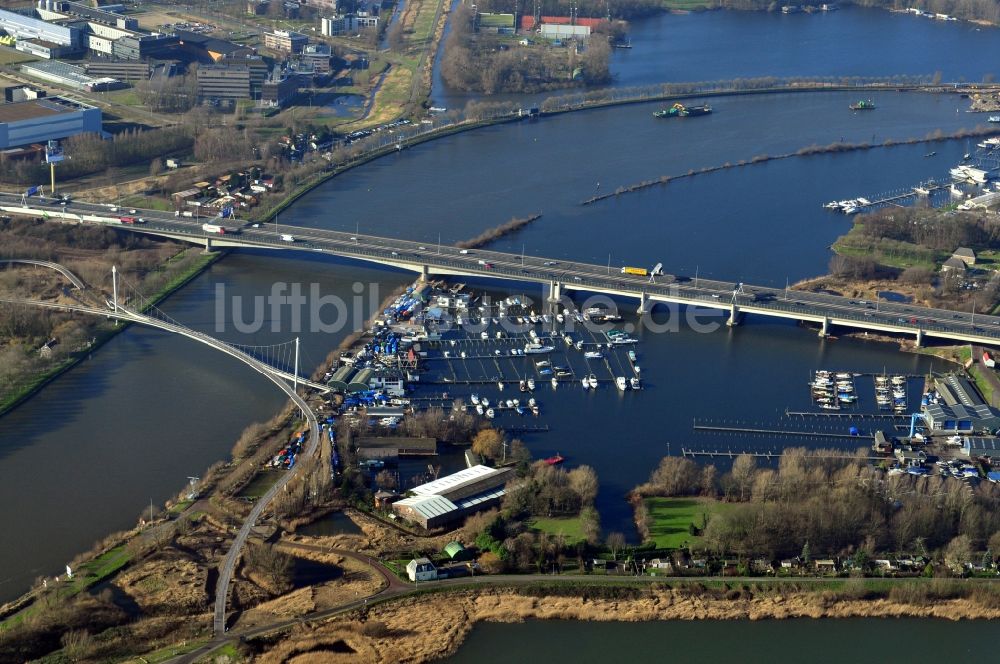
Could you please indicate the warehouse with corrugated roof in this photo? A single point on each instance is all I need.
(453, 497)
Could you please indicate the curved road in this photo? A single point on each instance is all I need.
(61, 269)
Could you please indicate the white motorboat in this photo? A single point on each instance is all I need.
(531, 384)
(592, 380)
(594, 355)
(490, 413)
(479, 408)
(634, 382)
(621, 383)
(500, 385)
(536, 349)
(474, 398)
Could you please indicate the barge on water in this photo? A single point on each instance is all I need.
(682, 111)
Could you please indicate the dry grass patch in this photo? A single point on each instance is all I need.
(166, 585)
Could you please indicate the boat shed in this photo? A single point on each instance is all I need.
(427, 511)
(963, 410)
(392, 447)
(341, 379)
(361, 381)
(976, 447)
(454, 496)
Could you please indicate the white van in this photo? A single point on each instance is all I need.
(287, 238)
(464, 251)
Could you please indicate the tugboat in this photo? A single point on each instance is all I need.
(682, 111)
(863, 105)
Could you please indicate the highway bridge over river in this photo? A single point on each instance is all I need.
(560, 276)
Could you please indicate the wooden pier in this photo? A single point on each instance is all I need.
(527, 428)
(778, 432)
(859, 416)
(898, 196)
(732, 454)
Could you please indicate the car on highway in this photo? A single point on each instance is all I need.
(395, 253)
(551, 263)
(422, 248)
(488, 266)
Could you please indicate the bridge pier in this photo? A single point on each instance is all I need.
(734, 315)
(208, 246)
(555, 292)
(920, 338)
(824, 330)
(642, 303)
(425, 273)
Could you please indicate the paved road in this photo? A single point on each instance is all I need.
(568, 275)
(75, 280)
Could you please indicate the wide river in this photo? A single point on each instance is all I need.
(148, 410)
(819, 641)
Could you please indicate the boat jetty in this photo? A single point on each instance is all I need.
(489, 356)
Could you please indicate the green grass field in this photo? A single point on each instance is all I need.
(890, 253)
(260, 483)
(673, 516)
(570, 527)
(978, 374)
(99, 568)
(9, 56)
